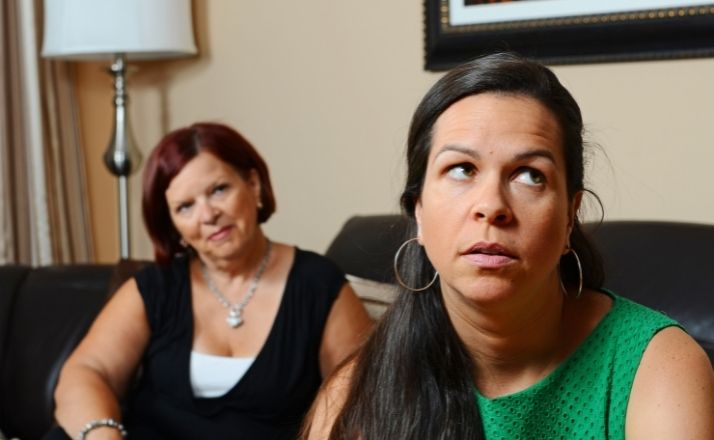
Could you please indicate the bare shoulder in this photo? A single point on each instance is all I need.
(673, 392)
(328, 404)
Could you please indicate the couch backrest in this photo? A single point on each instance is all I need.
(52, 310)
(44, 313)
(10, 278)
(365, 246)
(667, 266)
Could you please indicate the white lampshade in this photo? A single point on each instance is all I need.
(98, 29)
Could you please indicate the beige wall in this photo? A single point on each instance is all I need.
(325, 90)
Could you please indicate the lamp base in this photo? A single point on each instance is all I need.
(122, 157)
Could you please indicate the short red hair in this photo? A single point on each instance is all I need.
(169, 157)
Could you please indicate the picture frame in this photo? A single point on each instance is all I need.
(567, 31)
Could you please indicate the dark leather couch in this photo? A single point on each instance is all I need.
(45, 311)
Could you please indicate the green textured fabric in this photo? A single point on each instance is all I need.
(586, 396)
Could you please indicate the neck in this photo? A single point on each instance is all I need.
(515, 341)
(240, 267)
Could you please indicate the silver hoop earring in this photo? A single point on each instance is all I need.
(580, 273)
(396, 270)
(183, 243)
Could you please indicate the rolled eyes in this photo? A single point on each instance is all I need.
(462, 172)
(529, 176)
(526, 175)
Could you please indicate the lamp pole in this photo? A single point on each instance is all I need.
(122, 157)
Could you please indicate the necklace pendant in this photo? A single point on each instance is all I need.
(234, 319)
(235, 311)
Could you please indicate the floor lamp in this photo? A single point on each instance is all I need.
(118, 30)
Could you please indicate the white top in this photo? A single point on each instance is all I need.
(214, 376)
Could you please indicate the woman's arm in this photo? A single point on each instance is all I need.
(100, 368)
(328, 404)
(673, 392)
(347, 326)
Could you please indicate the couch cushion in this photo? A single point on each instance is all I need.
(375, 296)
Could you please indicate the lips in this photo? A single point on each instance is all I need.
(220, 234)
(489, 255)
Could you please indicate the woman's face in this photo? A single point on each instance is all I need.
(494, 214)
(213, 208)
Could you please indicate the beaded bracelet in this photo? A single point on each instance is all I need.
(94, 424)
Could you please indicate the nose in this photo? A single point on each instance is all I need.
(208, 213)
(492, 204)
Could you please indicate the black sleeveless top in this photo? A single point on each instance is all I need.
(271, 399)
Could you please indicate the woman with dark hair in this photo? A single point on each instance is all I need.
(502, 329)
(233, 333)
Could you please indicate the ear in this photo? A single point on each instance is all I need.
(573, 212)
(417, 216)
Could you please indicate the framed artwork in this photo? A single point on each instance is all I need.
(567, 31)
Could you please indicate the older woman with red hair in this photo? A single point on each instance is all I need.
(233, 333)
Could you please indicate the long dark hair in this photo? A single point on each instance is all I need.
(413, 379)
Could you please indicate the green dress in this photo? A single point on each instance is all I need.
(586, 396)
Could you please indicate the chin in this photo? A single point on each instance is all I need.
(223, 251)
(486, 290)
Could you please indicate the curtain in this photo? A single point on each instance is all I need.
(44, 216)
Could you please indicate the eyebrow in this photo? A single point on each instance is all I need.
(459, 149)
(174, 203)
(546, 154)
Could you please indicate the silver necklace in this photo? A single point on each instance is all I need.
(235, 311)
